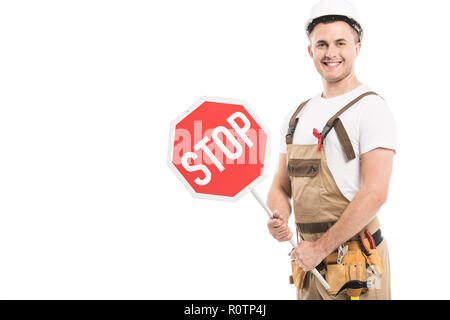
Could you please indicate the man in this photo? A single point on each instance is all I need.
(338, 178)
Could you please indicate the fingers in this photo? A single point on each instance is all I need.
(280, 231)
(278, 215)
(302, 266)
(278, 227)
(275, 223)
(297, 259)
(293, 254)
(284, 235)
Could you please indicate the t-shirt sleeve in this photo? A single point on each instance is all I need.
(377, 128)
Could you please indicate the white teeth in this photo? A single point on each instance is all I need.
(332, 64)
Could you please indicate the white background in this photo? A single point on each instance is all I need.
(90, 209)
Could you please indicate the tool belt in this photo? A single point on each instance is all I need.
(352, 272)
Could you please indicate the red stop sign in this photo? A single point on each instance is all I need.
(218, 148)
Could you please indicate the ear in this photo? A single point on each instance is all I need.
(358, 48)
(310, 51)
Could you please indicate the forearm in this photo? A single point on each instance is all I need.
(278, 199)
(361, 210)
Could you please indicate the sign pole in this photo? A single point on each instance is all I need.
(292, 241)
(219, 179)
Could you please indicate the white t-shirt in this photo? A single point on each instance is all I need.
(369, 124)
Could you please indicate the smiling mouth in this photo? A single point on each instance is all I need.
(332, 63)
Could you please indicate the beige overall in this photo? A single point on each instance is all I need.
(318, 203)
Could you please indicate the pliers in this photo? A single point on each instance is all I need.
(363, 245)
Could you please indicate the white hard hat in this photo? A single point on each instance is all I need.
(334, 10)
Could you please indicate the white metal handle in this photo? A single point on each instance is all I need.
(292, 240)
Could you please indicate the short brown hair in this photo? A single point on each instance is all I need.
(333, 18)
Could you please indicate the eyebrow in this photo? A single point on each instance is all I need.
(338, 40)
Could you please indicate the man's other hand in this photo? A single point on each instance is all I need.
(278, 227)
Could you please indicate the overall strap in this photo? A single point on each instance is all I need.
(293, 122)
(341, 133)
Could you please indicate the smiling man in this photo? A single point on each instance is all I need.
(335, 164)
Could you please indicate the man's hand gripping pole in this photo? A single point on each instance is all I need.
(292, 240)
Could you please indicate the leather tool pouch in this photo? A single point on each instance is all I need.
(374, 260)
(352, 267)
(298, 275)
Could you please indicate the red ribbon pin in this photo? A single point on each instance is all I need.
(317, 134)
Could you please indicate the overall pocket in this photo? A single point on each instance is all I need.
(306, 185)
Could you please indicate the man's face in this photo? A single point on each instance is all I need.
(334, 50)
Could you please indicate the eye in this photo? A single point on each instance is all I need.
(341, 43)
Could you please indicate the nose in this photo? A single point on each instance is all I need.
(331, 52)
